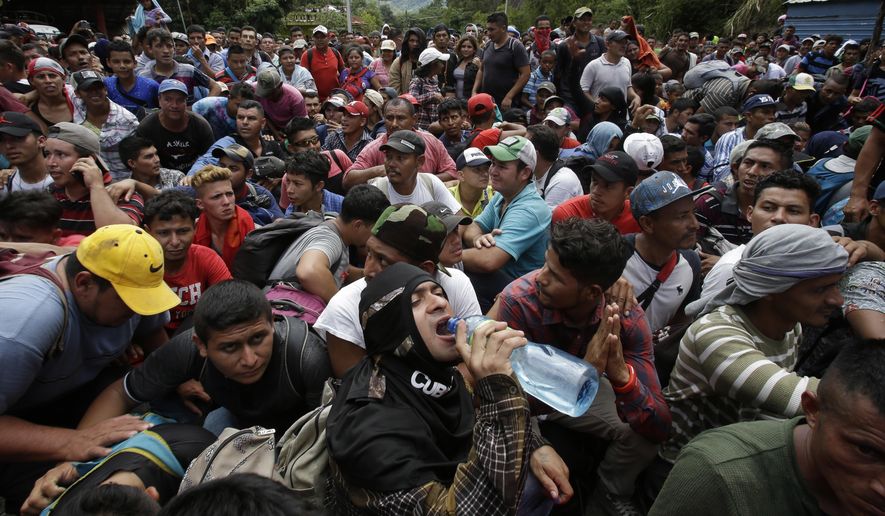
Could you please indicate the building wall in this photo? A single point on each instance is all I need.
(852, 19)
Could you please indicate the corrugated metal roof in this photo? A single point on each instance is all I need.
(852, 19)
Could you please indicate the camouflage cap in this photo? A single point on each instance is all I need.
(412, 231)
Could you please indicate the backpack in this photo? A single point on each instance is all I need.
(310, 57)
(704, 72)
(303, 457)
(14, 263)
(263, 247)
(250, 450)
(578, 163)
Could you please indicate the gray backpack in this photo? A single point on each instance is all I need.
(704, 72)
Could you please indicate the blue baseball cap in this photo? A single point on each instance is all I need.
(172, 85)
(660, 189)
(758, 101)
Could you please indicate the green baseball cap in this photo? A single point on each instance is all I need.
(411, 230)
(514, 148)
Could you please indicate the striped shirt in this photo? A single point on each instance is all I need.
(722, 153)
(816, 63)
(728, 372)
(789, 116)
(187, 74)
(717, 93)
(77, 217)
(719, 209)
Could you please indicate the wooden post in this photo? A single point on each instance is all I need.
(877, 34)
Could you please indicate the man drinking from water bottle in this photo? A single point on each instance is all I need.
(564, 304)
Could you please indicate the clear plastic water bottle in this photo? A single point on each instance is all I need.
(554, 377)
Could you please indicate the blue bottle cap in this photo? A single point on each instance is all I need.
(452, 325)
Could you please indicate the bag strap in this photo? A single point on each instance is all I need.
(646, 297)
(38, 270)
(334, 155)
(138, 102)
(558, 164)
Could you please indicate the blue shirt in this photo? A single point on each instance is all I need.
(331, 203)
(524, 226)
(816, 63)
(145, 90)
(214, 110)
(30, 324)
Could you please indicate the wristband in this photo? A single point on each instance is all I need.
(631, 382)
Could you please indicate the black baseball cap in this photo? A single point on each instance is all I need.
(18, 124)
(615, 166)
(71, 40)
(86, 78)
(408, 142)
(449, 218)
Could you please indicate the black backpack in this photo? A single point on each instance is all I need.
(579, 164)
(263, 247)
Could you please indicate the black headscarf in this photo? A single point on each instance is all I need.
(401, 418)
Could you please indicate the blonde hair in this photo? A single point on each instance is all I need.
(210, 174)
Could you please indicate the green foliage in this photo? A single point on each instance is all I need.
(264, 15)
(660, 17)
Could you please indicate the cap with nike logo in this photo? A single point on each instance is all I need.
(132, 261)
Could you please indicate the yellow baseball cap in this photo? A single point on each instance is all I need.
(132, 260)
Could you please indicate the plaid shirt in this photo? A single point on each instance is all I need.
(643, 408)
(335, 140)
(424, 91)
(119, 124)
(489, 483)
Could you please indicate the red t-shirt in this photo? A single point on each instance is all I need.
(325, 67)
(569, 143)
(202, 268)
(580, 207)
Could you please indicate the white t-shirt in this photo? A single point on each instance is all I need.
(670, 295)
(601, 73)
(341, 316)
(428, 188)
(563, 186)
(19, 185)
(774, 72)
(717, 279)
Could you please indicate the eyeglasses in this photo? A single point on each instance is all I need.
(313, 140)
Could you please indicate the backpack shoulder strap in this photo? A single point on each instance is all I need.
(309, 57)
(334, 155)
(39, 270)
(558, 164)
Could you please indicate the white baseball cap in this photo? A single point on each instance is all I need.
(645, 149)
(388, 44)
(321, 29)
(430, 55)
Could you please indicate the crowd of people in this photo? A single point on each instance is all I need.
(220, 228)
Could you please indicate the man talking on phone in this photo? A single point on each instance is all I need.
(80, 175)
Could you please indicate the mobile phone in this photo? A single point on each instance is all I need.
(100, 165)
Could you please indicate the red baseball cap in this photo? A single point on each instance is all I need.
(487, 137)
(357, 108)
(410, 98)
(480, 103)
